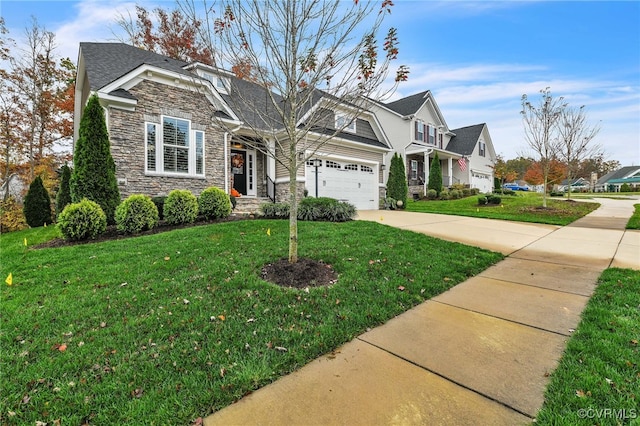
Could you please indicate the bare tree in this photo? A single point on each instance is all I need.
(541, 130)
(311, 57)
(574, 144)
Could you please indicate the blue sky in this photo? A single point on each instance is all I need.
(477, 57)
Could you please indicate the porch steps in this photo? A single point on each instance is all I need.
(250, 205)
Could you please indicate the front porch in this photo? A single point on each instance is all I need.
(418, 164)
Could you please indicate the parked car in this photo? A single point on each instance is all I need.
(515, 187)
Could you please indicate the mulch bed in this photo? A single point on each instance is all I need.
(302, 274)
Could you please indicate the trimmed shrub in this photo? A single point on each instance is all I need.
(508, 192)
(37, 204)
(444, 195)
(312, 209)
(432, 194)
(135, 214)
(482, 200)
(435, 175)
(159, 202)
(466, 192)
(397, 187)
(181, 206)
(455, 194)
(274, 210)
(94, 171)
(63, 198)
(214, 203)
(325, 209)
(83, 220)
(475, 191)
(494, 199)
(625, 187)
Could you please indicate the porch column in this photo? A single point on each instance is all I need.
(450, 167)
(426, 172)
(271, 162)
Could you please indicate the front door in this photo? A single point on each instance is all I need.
(239, 170)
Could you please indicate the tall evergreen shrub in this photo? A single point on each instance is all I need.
(94, 173)
(435, 175)
(37, 204)
(64, 192)
(397, 187)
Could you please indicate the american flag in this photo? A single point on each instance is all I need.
(462, 163)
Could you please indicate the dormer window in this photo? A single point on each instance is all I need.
(420, 131)
(221, 84)
(343, 123)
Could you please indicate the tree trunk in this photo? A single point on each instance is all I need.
(293, 210)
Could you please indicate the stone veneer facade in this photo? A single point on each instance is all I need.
(127, 135)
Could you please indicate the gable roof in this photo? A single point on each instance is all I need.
(409, 105)
(106, 62)
(618, 174)
(465, 140)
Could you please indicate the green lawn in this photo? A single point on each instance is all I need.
(634, 221)
(598, 379)
(523, 207)
(169, 327)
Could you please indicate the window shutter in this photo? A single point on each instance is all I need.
(426, 133)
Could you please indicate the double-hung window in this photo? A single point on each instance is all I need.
(420, 131)
(174, 148)
(432, 135)
(482, 149)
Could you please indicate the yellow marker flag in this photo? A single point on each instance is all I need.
(9, 279)
(45, 224)
(25, 242)
(269, 231)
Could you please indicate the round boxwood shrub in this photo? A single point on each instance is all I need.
(494, 199)
(214, 203)
(455, 194)
(135, 214)
(181, 206)
(432, 194)
(482, 200)
(444, 195)
(83, 220)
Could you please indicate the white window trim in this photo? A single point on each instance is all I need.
(422, 128)
(160, 171)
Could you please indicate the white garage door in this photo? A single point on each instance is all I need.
(481, 181)
(352, 182)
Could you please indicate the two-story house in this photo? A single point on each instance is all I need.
(416, 128)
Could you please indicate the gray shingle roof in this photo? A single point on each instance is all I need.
(617, 174)
(409, 105)
(106, 62)
(465, 140)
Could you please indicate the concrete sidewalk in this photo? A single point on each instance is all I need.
(480, 353)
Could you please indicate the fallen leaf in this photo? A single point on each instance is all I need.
(103, 324)
(580, 394)
(167, 258)
(185, 301)
(197, 422)
(222, 317)
(401, 288)
(634, 342)
(281, 349)
(137, 393)
(447, 279)
(62, 347)
(26, 399)
(223, 371)
(269, 345)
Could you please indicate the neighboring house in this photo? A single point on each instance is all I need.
(176, 125)
(577, 185)
(613, 181)
(417, 130)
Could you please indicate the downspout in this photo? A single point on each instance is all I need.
(226, 162)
